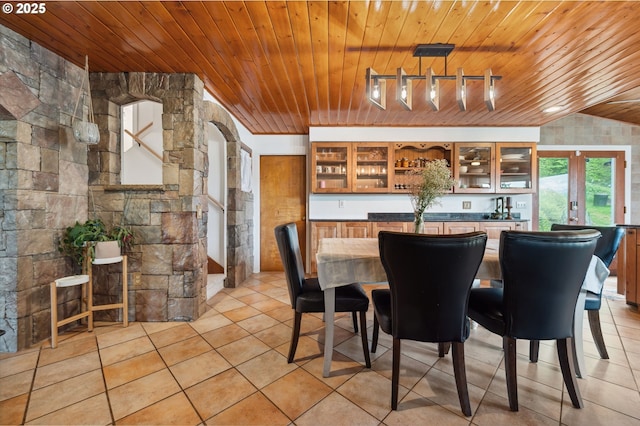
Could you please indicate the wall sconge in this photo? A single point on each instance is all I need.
(376, 89)
(404, 91)
(489, 90)
(433, 90)
(461, 90)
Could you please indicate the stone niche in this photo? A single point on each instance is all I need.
(167, 267)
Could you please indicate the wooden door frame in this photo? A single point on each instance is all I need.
(576, 169)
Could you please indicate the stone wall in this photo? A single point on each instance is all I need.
(582, 129)
(43, 185)
(168, 262)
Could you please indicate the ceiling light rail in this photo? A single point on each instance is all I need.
(376, 84)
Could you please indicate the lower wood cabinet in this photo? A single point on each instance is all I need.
(629, 265)
(364, 229)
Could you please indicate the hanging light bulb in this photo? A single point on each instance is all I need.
(403, 89)
(376, 89)
(433, 90)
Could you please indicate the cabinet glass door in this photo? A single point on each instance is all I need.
(516, 168)
(371, 168)
(409, 158)
(474, 171)
(330, 168)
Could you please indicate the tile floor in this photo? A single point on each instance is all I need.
(229, 368)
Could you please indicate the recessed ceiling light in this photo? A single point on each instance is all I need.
(554, 108)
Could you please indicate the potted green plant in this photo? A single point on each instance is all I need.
(82, 239)
(428, 184)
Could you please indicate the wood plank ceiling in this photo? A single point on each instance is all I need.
(282, 66)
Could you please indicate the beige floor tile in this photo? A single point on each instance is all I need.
(219, 393)
(359, 391)
(255, 410)
(283, 313)
(342, 369)
(494, 411)
(90, 411)
(252, 298)
(257, 323)
(270, 305)
(613, 396)
(336, 410)
(411, 371)
(602, 369)
(133, 368)
(239, 314)
(18, 363)
(126, 350)
(12, 410)
(243, 350)
(214, 321)
(594, 414)
(275, 336)
(533, 395)
(147, 390)
(63, 394)
(16, 384)
(62, 370)
(199, 368)
(296, 392)
(478, 373)
(440, 388)
(226, 304)
(67, 350)
(184, 349)
(225, 335)
(120, 335)
(172, 335)
(415, 409)
(266, 368)
(174, 410)
(156, 327)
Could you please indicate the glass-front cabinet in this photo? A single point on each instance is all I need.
(330, 165)
(350, 167)
(474, 169)
(371, 167)
(410, 157)
(516, 167)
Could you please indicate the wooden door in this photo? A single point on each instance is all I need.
(460, 227)
(355, 230)
(494, 229)
(376, 227)
(282, 200)
(320, 230)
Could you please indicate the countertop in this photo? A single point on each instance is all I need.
(429, 217)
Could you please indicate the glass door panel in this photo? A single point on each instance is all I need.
(372, 168)
(579, 188)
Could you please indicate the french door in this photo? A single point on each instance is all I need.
(579, 188)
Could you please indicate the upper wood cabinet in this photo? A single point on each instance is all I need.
(475, 167)
(409, 157)
(379, 167)
(350, 167)
(516, 168)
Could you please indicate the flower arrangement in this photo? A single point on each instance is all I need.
(427, 185)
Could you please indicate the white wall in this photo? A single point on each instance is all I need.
(217, 189)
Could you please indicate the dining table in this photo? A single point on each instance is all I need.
(343, 261)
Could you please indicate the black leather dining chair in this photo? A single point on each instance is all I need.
(307, 296)
(429, 280)
(542, 273)
(606, 250)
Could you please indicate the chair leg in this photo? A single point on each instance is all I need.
(534, 349)
(443, 348)
(395, 374)
(461, 377)
(596, 331)
(376, 331)
(509, 346)
(565, 356)
(365, 341)
(54, 315)
(297, 319)
(355, 321)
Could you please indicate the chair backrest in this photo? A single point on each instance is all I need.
(542, 273)
(607, 245)
(289, 248)
(430, 277)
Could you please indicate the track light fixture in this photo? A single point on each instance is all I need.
(376, 84)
